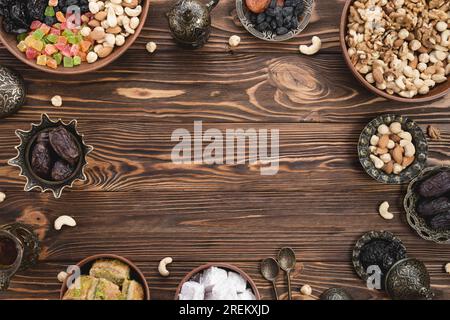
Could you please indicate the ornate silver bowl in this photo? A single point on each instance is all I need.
(22, 160)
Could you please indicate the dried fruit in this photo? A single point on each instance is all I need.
(63, 143)
(435, 186)
(61, 171)
(40, 160)
(257, 6)
(431, 208)
(434, 133)
(440, 221)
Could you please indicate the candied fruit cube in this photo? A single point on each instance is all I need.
(45, 28)
(50, 49)
(22, 46)
(62, 40)
(85, 45)
(53, 3)
(51, 63)
(60, 17)
(52, 38)
(76, 60)
(38, 34)
(38, 45)
(55, 31)
(42, 60)
(49, 11)
(21, 36)
(68, 62)
(31, 53)
(83, 56)
(74, 50)
(29, 40)
(58, 58)
(66, 51)
(35, 25)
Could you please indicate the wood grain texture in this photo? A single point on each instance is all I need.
(138, 204)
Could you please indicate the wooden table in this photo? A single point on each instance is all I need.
(138, 204)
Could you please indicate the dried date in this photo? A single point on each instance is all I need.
(435, 186)
(41, 160)
(431, 208)
(61, 171)
(440, 221)
(64, 145)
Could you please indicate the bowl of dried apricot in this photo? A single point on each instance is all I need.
(70, 36)
(398, 49)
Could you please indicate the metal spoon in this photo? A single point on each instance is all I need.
(270, 270)
(286, 259)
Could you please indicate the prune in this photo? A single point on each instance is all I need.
(36, 9)
(61, 171)
(430, 208)
(41, 160)
(440, 221)
(381, 253)
(63, 143)
(435, 186)
(282, 30)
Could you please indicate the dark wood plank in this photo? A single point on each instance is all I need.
(137, 156)
(183, 86)
(40, 282)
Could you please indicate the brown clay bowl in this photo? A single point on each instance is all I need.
(135, 273)
(10, 42)
(226, 266)
(437, 92)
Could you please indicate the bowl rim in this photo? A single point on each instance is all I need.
(421, 140)
(223, 266)
(100, 63)
(290, 35)
(416, 222)
(363, 81)
(95, 257)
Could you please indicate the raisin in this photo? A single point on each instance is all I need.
(431, 208)
(61, 171)
(63, 143)
(40, 160)
(435, 186)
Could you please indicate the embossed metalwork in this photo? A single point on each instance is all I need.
(12, 91)
(335, 294)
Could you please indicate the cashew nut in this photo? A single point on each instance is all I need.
(384, 211)
(133, 12)
(374, 140)
(2, 197)
(405, 135)
(234, 41)
(64, 221)
(151, 47)
(383, 129)
(447, 268)
(306, 290)
(62, 276)
(162, 268)
(377, 162)
(312, 49)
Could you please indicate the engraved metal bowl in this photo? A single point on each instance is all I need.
(365, 239)
(419, 141)
(303, 21)
(335, 294)
(410, 203)
(22, 160)
(12, 91)
(408, 279)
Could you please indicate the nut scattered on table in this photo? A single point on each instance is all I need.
(400, 46)
(56, 101)
(306, 290)
(234, 41)
(2, 197)
(434, 133)
(447, 268)
(162, 268)
(151, 47)
(392, 149)
(64, 221)
(384, 211)
(62, 276)
(313, 48)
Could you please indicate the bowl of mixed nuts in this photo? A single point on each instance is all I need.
(70, 36)
(393, 149)
(398, 49)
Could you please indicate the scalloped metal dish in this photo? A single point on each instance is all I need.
(21, 160)
(419, 140)
(268, 35)
(414, 220)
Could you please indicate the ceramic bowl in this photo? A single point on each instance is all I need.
(135, 274)
(242, 13)
(365, 239)
(419, 141)
(408, 279)
(10, 42)
(410, 203)
(435, 93)
(225, 266)
(22, 160)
